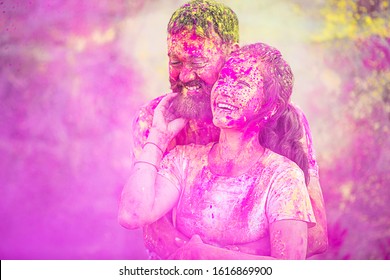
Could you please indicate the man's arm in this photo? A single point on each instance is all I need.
(317, 235)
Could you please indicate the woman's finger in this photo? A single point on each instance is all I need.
(177, 125)
(166, 101)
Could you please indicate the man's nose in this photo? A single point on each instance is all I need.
(187, 74)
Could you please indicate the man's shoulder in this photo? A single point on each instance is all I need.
(300, 112)
(151, 105)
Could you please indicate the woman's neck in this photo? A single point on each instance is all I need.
(235, 152)
(233, 143)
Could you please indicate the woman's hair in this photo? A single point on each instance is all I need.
(203, 16)
(281, 126)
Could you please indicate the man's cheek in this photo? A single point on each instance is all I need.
(208, 75)
(174, 74)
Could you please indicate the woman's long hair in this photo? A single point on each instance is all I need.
(281, 129)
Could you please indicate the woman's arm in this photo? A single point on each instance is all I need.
(288, 240)
(147, 195)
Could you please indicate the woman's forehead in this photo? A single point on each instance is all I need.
(240, 65)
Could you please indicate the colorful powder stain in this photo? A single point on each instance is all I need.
(73, 72)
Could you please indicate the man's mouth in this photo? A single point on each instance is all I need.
(191, 89)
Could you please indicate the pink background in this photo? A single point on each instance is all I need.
(73, 72)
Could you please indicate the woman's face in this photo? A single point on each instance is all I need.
(238, 95)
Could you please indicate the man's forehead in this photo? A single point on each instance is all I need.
(193, 48)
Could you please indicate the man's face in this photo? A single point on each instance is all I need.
(194, 65)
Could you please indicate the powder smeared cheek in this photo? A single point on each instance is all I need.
(230, 120)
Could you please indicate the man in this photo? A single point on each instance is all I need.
(201, 35)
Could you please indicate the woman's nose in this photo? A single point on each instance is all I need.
(226, 92)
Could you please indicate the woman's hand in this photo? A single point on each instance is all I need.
(165, 126)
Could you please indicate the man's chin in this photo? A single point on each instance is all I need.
(192, 109)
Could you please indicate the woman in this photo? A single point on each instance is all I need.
(236, 191)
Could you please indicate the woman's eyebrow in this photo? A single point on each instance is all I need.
(243, 82)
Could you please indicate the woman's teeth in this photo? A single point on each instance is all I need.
(226, 106)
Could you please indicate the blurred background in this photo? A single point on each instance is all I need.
(73, 72)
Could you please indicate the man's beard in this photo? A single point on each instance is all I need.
(192, 107)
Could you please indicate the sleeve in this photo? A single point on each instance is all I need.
(173, 166)
(288, 197)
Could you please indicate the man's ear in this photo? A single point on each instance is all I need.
(234, 47)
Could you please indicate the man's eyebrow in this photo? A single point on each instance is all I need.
(199, 58)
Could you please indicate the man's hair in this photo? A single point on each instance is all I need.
(203, 16)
